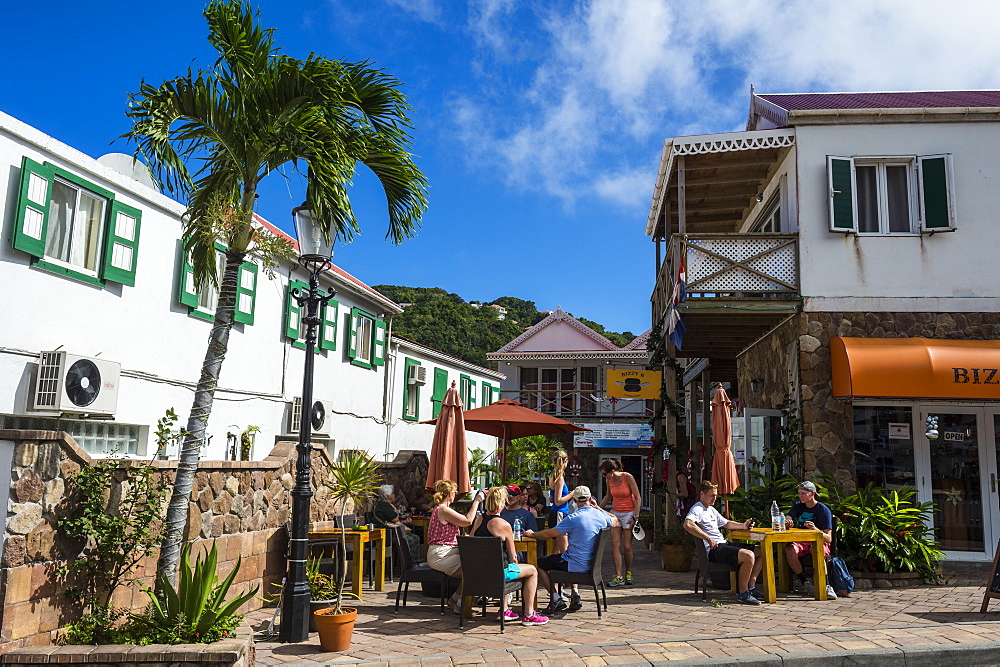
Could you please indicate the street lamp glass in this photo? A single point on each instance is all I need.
(312, 244)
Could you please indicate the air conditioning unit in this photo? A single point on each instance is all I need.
(417, 375)
(319, 416)
(69, 383)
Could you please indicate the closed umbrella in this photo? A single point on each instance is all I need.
(449, 456)
(723, 465)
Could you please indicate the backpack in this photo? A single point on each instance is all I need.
(840, 577)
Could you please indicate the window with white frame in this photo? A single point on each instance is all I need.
(885, 204)
(769, 222)
(467, 391)
(202, 302)
(367, 340)
(76, 220)
(411, 390)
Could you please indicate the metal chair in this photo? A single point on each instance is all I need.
(482, 572)
(413, 573)
(705, 567)
(593, 576)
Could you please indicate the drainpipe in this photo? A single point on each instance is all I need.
(389, 388)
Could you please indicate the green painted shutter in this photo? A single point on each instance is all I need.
(487, 395)
(472, 394)
(936, 201)
(293, 316)
(328, 334)
(121, 244)
(352, 336)
(378, 343)
(408, 388)
(246, 293)
(840, 178)
(186, 293)
(31, 218)
(440, 389)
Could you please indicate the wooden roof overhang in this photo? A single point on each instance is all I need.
(708, 183)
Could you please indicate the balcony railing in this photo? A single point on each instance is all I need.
(575, 403)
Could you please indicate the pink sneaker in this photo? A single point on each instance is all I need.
(509, 615)
(535, 619)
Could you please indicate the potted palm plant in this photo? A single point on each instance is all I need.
(351, 481)
(676, 548)
(322, 590)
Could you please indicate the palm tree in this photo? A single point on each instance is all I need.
(252, 112)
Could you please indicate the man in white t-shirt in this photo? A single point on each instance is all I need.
(704, 521)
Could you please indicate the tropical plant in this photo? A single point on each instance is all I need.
(254, 111)
(529, 458)
(350, 481)
(246, 442)
(754, 502)
(675, 535)
(480, 468)
(196, 609)
(321, 586)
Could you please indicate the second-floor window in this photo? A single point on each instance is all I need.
(76, 218)
(560, 390)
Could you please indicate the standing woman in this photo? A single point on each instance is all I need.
(559, 496)
(442, 534)
(623, 493)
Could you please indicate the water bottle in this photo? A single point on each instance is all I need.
(777, 519)
(517, 529)
(784, 522)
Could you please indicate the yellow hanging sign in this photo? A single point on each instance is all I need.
(633, 384)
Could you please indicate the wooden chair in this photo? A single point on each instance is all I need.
(593, 576)
(409, 572)
(705, 567)
(482, 572)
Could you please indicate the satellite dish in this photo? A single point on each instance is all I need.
(129, 166)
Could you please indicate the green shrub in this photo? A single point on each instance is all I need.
(755, 502)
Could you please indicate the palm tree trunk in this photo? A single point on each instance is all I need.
(201, 409)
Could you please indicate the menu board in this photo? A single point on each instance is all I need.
(993, 583)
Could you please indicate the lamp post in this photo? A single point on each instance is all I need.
(315, 253)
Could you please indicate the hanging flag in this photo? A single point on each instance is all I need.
(674, 326)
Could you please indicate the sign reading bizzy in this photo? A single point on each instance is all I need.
(614, 435)
(633, 384)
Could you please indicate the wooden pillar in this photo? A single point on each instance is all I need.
(681, 197)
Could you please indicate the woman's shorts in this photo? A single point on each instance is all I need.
(511, 572)
(443, 558)
(625, 519)
(555, 517)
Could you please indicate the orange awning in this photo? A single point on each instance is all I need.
(916, 368)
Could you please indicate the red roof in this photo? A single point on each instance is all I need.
(911, 100)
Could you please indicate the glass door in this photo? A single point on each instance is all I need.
(762, 429)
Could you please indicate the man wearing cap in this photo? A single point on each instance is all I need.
(514, 510)
(811, 514)
(582, 528)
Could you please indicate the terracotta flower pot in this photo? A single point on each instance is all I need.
(335, 630)
(314, 606)
(676, 557)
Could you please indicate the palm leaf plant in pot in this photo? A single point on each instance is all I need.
(350, 481)
(676, 547)
(322, 590)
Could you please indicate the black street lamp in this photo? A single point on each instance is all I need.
(315, 253)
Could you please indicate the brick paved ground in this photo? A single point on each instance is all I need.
(660, 619)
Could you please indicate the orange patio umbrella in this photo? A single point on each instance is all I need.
(449, 456)
(723, 466)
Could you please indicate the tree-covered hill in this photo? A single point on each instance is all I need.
(445, 321)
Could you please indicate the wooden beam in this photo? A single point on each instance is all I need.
(681, 196)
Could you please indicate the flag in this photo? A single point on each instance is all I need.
(674, 326)
(680, 284)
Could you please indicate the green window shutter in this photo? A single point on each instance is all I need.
(472, 394)
(31, 217)
(464, 385)
(121, 244)
(293, 316)
(378, 343)
(328, 333)
(440, 389)
(246, 293)
(409, 389)
(840, 179)
(936, 200)
(487, 395)
(186, 292)
(352, 336)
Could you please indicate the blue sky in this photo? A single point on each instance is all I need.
(538, 124)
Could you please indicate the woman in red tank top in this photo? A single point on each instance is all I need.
(623, 494)
(442, 534)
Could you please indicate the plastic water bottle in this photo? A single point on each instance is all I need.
(777, 519)
(517, 529)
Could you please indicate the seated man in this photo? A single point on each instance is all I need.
(704, 521)
(582, 528)
(514, 509)
(811, 514)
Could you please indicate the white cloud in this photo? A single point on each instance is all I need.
(425, 10)
(614, 76)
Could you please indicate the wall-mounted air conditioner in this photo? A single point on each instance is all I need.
(71, 384)
(319, 416)
(416, 375)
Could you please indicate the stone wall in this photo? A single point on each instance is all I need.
(767, 361)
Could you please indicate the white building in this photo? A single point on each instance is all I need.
(93, 268)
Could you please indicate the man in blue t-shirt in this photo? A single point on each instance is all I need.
(515, 510)
(582, 528)
(811, 514)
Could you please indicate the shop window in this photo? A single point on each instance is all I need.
(883, 446)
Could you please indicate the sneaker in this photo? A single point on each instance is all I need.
(830, 593)
(554, 606)
(746, 598)
(628, 578)
(456, 607)
(757, 593)
(575, 603)
(807, 587)
(535, 619)
(509, 615)
(616, 581)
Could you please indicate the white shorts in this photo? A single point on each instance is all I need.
(625, 519)
(443, 558)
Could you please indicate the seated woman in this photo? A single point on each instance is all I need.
(536, 499)
(442, 534)
(387, 516)
(491, 524)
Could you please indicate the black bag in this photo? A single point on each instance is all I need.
(840, 577)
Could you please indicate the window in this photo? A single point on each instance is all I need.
(883, 455)
(411, 390)
(73, 227)
(367, 342)
(94, 437)
(202, 303)
(564, 391)
(326, 337)
(490, 394)
(467, 391)
(890, 195)
(769, 221)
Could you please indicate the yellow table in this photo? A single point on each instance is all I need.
(325, 530)
(768, 539)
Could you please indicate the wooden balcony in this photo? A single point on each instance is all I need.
(739, 287)
(580, 405)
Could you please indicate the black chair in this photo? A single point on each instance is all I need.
(482, 572)
(706, 567)
(593, 576)
(409, 572)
